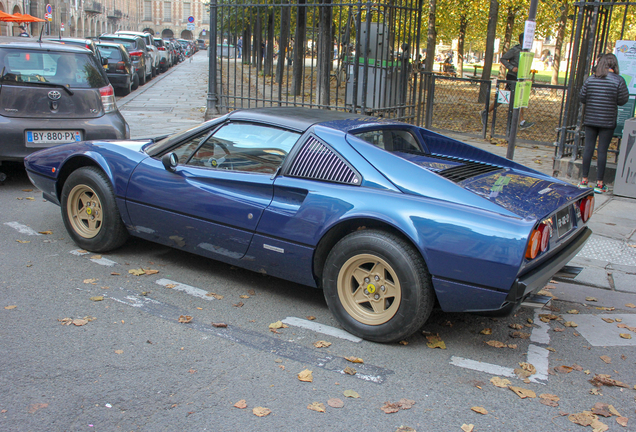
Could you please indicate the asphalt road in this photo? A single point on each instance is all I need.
(131, 365)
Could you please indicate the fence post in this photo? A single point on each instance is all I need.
(430, 98)
(212, 110)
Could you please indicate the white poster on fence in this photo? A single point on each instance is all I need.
(626, 55)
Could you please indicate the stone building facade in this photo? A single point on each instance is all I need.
(90, 18)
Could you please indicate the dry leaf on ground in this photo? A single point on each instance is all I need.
(322, 344)
(434, 341)
(516, 326)
(496, 344)
(261, 411)
(185, 319)
(523, 393)
(23, 241)
(573, 311)
(45, 232)
(608, 320)
(119, 351)
(602, 379)
(630, 305)
(606, 359)
(570, 324)
(582, 418)
(219, 325)
(479, 410)
(519, 335)
(335, 403)
(239, 304)
(311, 317)
(96, 298)
(350, 371)
(150, 272)
(601, 409)
(10, 307)
(468, 427)
(500, 382)
(625, 335)
(390, 407)
(622, 421)
(486, 331)
(242, 404)
(251, 292)
(317, 406)
(136, 272)
(244, 296)
(528, 367)
(591, 299)
(276, 325)
(90, 281)
(351, 394)
(306, 376)
(563, 369)
(354, 359)
(34, 407)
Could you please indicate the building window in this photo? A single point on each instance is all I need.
(167, 11)
(147, 10)
(186, 11)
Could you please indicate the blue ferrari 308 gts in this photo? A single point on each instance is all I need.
(388, 219)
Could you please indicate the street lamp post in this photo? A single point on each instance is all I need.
(212, 109)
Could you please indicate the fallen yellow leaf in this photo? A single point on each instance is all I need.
(119, 351)
(185, 319)
(625, 335)
(500, 382)
(354, 359)
(468, 427)
(261, 411)
(137, 272)
(97, 298)
(486, 331)
(242, 404)
(10, 307)
(479, 410)
(351, 394)
(305, 376)
(523, 393)
(317, 406)
(322, 344)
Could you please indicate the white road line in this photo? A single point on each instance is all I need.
(79, 252)
(538, 357)
(540, 331)
(22, 229)
(483, 367)
(104, 262)
(196, 292)
(321, 328)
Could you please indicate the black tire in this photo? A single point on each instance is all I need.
(90, 212)
(135, 83)
(154, 72)
(397, 276)
(142, 78)
(126, 90)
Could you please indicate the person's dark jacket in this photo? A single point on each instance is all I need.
(510, 59)
(601, 96)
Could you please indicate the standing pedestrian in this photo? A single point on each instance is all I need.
(239, 45)
(601, 93)
(23, 31)
(510, 60)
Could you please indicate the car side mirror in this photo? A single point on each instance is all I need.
(170, 161)
(104, 61)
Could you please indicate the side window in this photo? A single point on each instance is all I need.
(245, 147)
(185, 150)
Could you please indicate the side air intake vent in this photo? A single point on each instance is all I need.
(466, 170)
(317, 161)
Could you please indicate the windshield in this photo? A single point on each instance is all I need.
(76, 70)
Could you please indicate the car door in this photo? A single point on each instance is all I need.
(211, 203)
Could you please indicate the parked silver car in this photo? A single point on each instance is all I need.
(51, 94)
(152, 49)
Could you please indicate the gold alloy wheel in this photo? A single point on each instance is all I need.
(84, 210)
(369, 289)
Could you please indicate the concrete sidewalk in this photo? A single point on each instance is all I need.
(176, 100)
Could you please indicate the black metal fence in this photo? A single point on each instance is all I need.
(358, 57)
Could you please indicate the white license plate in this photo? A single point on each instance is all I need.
(51, 137)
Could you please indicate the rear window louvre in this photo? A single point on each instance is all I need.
(318, 161)
(466, 170)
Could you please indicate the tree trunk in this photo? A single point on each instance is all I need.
(247, 43)
(431, 38)
(558, 46)
(299, 48)
(258, 41)
(463, 23)
(510, 22)
(490, 50)
(269, 49)
(285, 19)
(325, 52)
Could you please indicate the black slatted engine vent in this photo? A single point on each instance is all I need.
(318, 162)
(466, 170)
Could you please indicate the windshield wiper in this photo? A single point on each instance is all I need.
(4, 77)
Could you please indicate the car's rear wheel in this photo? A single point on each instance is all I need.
(135, 82)
(142, 79)
(126, 90)
(90, 212)
(377, 286)
(154, 72)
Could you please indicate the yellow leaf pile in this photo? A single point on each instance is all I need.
(306, 376)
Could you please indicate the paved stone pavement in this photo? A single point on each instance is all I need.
(176, 100)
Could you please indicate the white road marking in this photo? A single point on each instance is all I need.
(538, 357)
(22, 229)
(79, 252)
(321, 328)
(104, 262)
(601, 333)
(196, 292)
(483, 367)
(540, 331)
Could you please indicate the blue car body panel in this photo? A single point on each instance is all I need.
(472, 232)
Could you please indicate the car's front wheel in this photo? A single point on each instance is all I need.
(90, 212)
(377, 286)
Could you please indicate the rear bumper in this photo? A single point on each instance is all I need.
(119, 80)
(13, 146)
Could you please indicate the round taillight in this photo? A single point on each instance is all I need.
(534, 244)
(545, 237)
(586, 205)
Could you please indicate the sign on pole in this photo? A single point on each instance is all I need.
(190, 19)
(528, 34)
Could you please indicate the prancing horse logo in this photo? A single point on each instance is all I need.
(55, 95)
